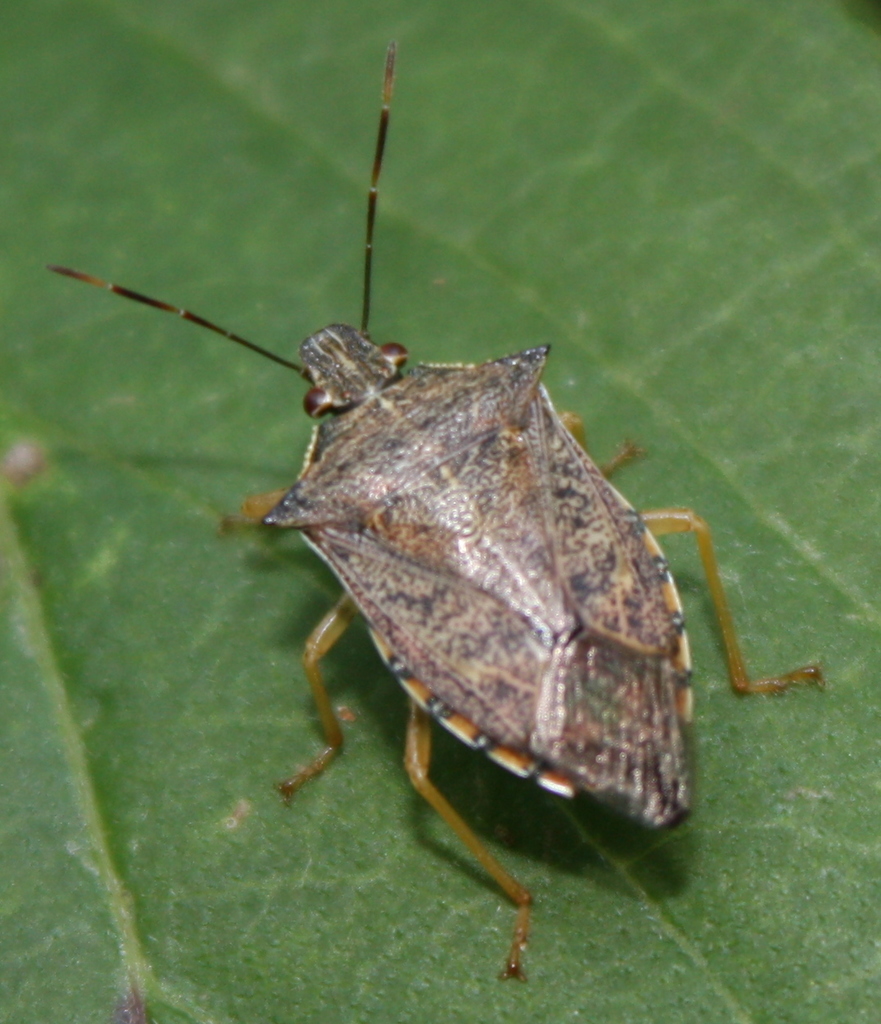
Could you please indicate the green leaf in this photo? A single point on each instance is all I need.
(684, 200)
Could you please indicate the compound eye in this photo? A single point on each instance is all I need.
(317, 402)
(396, 354)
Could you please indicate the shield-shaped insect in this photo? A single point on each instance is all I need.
(519, 599)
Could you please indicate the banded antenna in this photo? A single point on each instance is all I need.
(185, 314)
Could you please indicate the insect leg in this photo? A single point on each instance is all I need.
(575, 425)
(627, 451)
(683, 520)
(253, 509)
(416, 760)
(320, 641)
(256, 506)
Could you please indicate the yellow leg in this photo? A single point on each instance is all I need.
(683, 520)
(253, 509)
(320, 641)
(575, 425)
(256, 506)
(417, 759)
(627, 451)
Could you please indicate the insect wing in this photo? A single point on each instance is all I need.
(612, 710)
(609, 719)
(602, 561)
(473, 651)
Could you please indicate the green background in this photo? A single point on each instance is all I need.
(684, 199)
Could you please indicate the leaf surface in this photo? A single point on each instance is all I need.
(683, 199)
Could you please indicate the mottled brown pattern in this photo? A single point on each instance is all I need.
(608, 720)
(491, 556)
(601, 558)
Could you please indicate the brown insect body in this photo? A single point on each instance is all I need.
(516, 595)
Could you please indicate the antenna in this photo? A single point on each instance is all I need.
(387, 86)
(185, 314)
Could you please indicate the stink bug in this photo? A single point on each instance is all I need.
(517, 597)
